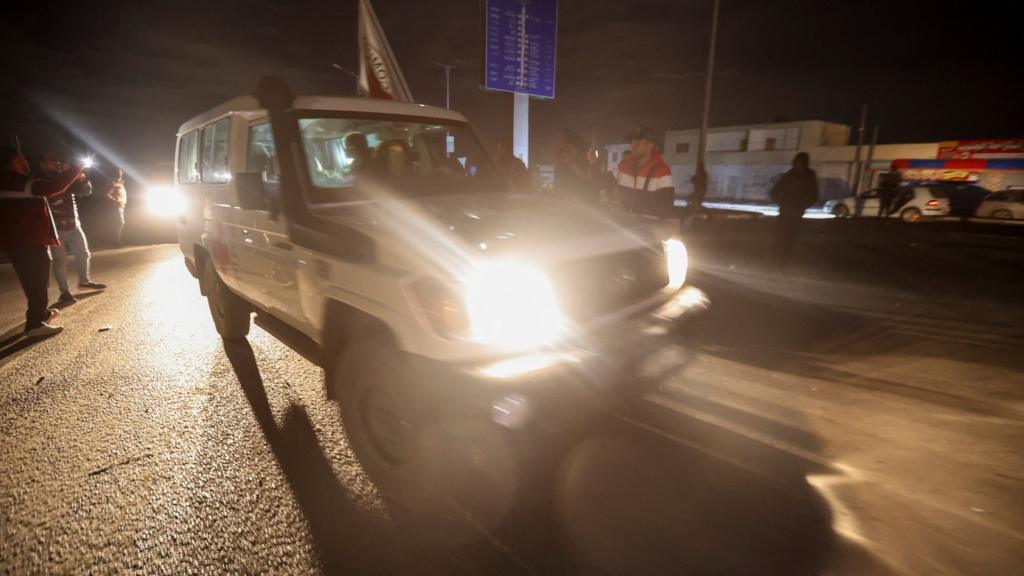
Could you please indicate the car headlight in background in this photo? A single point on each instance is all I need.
(507, 305)
(677, 262)
(164, 201)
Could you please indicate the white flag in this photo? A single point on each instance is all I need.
(379, 74)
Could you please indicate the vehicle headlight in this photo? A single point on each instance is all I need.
(677, 262)
(164, 201)
(512, 305)
(508, 305)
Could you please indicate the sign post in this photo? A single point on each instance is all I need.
(519, 57)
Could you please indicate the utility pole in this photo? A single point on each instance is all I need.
(855, 168)
(700, 182)
(866, 171)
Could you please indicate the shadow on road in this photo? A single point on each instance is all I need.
(624, 499)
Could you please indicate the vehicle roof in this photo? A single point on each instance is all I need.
(248, 107)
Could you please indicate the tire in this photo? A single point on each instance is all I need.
(231, 314)
(373, 387)
(1003, 215)
(910, 215)
(421, 459)
(840, 211)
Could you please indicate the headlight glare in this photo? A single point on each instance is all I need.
(512, 306)
(677, 262)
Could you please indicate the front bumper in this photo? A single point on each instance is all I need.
(624, 357)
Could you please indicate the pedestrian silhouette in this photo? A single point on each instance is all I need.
(795, 192)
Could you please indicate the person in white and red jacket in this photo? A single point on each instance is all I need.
(27, 232)
(645, 181)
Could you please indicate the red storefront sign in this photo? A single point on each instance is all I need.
(964, 149)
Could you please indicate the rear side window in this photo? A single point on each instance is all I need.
(1000, 196)
(937, 193)
(215, 152)
(188, 158)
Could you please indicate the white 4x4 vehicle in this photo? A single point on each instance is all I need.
(381, 233)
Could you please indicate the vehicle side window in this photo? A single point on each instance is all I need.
(1000, 197)
(215, 152)
(938, 193)
(868, 194)
(188, 158)
(262, 156)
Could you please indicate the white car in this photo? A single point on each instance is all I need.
(435, 299)
(917, 202)
(1005, 205)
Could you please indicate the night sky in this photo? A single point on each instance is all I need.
(130, 72)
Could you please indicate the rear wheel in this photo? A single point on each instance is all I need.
(231, 314)
(1003, 214)
(910, 215)
(840, 211)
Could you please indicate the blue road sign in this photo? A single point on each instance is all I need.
(520, 40)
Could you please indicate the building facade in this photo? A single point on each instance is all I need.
(743, 162)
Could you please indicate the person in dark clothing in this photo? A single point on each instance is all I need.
(888, 191)
(795, 192)
(511, 167)
(572, 170)
(69, 229)
(27, 232)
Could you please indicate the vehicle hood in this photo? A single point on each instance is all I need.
(542, 229)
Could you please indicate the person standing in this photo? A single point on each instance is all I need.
(572, 169)
(27, 232)
(795, 192)
(512, 167)
(645, 181)
(69, 229)
(119, 196)
(888, 190)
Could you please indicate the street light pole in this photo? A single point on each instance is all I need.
(344, 70)
(447, 82)
(700, 177)
(703, 144)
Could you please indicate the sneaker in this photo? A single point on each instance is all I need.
(92, 285)
(66, 298)
(50, 313)
(43, 329)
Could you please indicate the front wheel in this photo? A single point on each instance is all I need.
(231, 314)
(910, 215)
(840, 211)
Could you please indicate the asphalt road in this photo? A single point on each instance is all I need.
(846, 418)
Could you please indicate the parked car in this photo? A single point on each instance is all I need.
(1005, 205)
(964, 198)
(918, 202)
(443, 307)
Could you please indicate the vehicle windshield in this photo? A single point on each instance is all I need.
(361, 158)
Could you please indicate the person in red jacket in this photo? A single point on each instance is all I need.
(645, 181)
(27, 232)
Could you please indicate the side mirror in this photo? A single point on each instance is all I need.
(252, 193)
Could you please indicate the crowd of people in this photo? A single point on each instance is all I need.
(40, 228)
(642, 183)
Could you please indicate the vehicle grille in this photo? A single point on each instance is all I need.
(589, 288)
